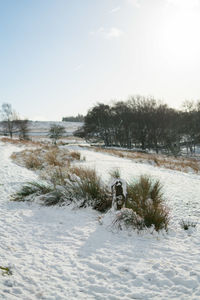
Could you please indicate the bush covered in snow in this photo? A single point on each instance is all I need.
(127, 218)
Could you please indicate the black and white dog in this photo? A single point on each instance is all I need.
(118, 189)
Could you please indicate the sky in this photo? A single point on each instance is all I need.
(60, 57)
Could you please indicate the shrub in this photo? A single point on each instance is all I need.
(52, 157)
(32, 161)
(76, 185)
(86, 185)
(56, 175)
(146, 200)
(44, 194)
(59, 196)
(128, 218)
(31, 188)
(75, 155)
(187, 224)
(56, 132)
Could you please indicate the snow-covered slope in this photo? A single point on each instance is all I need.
(41, 128)
(60, 253)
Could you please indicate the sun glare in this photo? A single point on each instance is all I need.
(181, 35)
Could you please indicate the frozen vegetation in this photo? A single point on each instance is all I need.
(70, 253)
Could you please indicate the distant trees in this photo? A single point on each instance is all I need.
(8, 118)
(191, 124)
(143, 122)
(12, 124)
(56, 132)
(23, 128)
(78, 118)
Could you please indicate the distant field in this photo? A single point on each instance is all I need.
(41, 128)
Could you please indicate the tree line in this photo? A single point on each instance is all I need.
(145, 123)
(78, 118)
(11, 124)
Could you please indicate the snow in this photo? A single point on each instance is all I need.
(182, 190)
(41, 128)
(62, 253)
(38, 128)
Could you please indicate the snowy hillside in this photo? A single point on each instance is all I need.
(41, 128)
(61, 253)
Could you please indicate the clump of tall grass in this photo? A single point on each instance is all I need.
(45, 194)
(32, 161)
(145, 198)
(52, 157)
(86, 186)
(79, 185)
(56, 175)
(41, 158)
(75, 155)
(31, 188)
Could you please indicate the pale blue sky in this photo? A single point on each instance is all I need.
(60, 57)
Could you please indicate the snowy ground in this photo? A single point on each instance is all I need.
(60, 253)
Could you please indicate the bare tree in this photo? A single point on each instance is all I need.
(22, 128)
(56, 132)
(9, 117)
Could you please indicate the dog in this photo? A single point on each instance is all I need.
(118, 194)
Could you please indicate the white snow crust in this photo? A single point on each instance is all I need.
(62, 253)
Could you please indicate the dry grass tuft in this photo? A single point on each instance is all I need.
(43, 157)
(75, 155)
(20, 142)
(52, 157)
(32, 161)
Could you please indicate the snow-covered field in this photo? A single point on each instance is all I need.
(40, 129)
(60, 253)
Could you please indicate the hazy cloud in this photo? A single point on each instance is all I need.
(184, 3)
(110, 33)
(115, 9)
(135, 3)
(78, 67)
